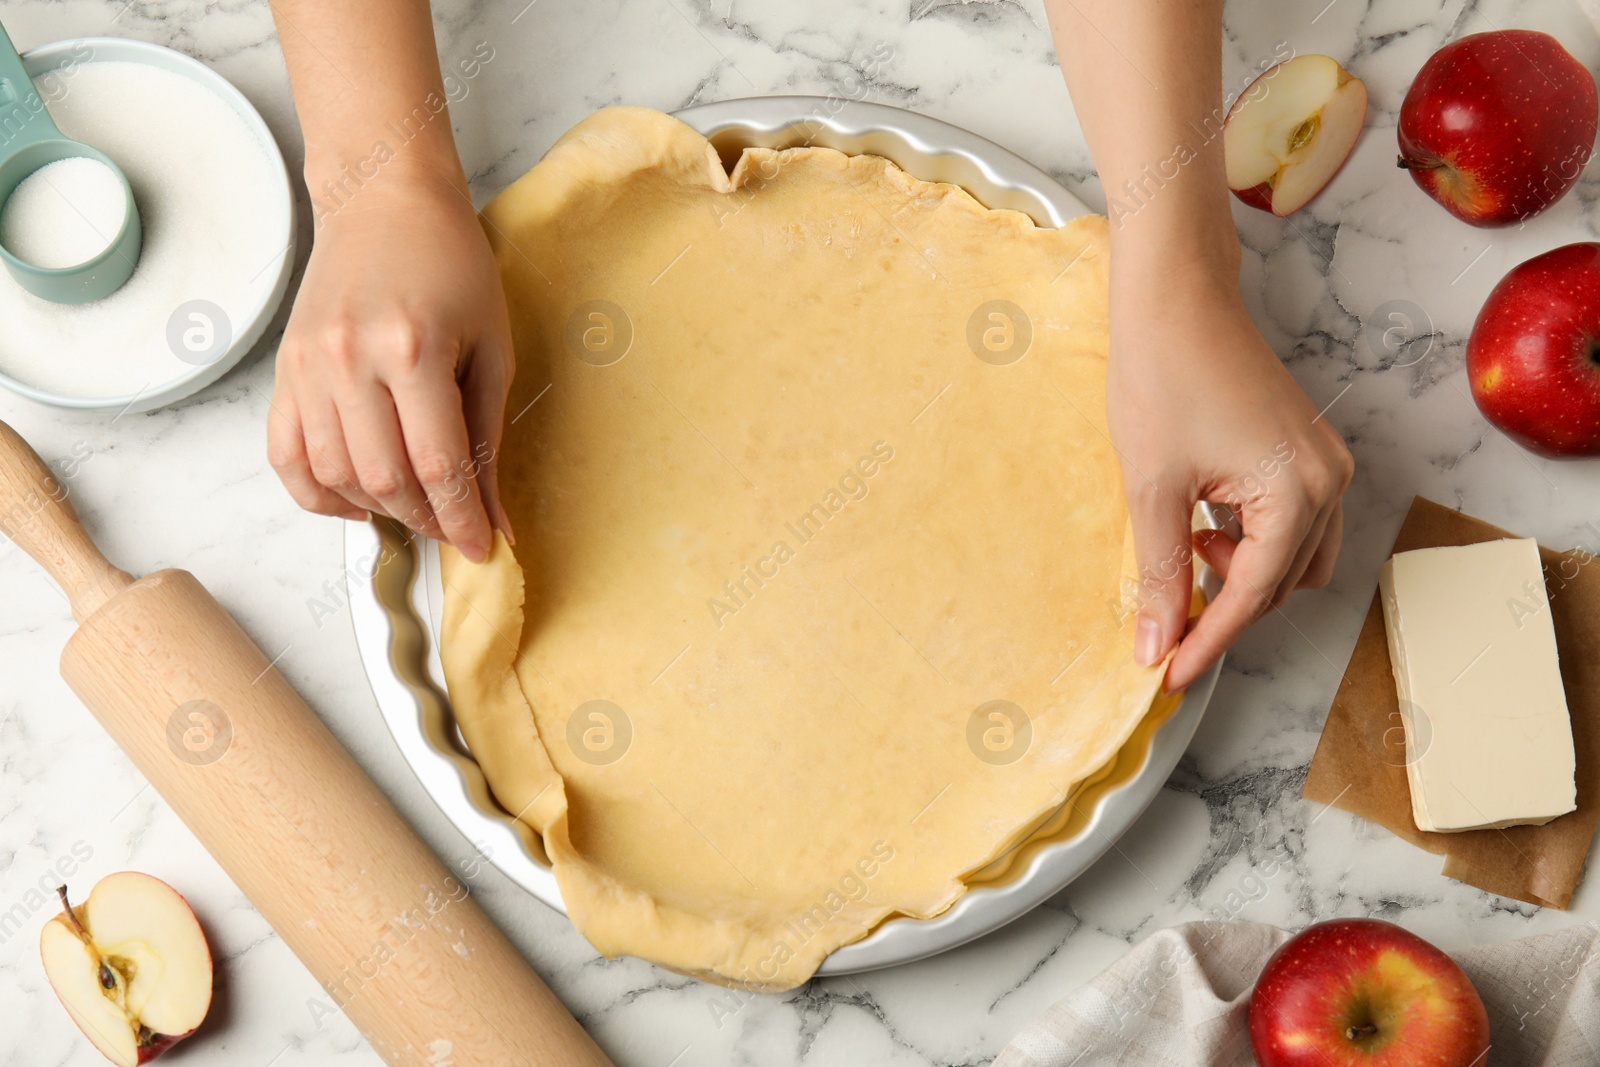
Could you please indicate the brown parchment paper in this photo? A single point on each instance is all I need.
(1360, 761)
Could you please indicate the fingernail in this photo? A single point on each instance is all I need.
(355, 515)
(1147, 641)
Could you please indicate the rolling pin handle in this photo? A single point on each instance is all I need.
(35, 513)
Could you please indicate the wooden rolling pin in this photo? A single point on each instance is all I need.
(391, 936)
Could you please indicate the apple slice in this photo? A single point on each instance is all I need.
(130, 965)
(1289, 133)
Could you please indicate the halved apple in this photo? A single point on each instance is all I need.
(130, 965)
(1289, 133)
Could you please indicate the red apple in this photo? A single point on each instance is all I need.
(1365, 993)
(1498, 126)
(131, 966)
(1289, 133)
(1534, 355)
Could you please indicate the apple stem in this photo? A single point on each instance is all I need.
(1355, 1033)
(72, 916)
(1415, 164)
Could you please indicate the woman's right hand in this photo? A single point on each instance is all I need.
(1201, 408)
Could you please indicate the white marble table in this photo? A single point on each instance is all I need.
(189, 487)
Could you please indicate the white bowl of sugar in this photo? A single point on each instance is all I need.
(219, 225)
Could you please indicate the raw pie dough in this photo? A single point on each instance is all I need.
(792, 514)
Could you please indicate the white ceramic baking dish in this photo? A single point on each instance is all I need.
(395, 593)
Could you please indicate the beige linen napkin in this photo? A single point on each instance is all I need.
(1180, 999)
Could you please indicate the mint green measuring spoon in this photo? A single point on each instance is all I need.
(29, 140)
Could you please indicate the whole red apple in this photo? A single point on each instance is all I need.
(1498, 126)
(1534, 355)
(1365, 993)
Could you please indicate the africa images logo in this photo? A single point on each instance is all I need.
(740, 590)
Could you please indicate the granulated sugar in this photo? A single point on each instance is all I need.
(206, 190)
(64, 213)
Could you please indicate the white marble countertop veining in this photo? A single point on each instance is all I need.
(188, 486)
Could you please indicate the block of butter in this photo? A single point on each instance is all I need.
(1473, 648)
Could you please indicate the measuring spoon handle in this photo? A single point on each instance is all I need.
(24, 120)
